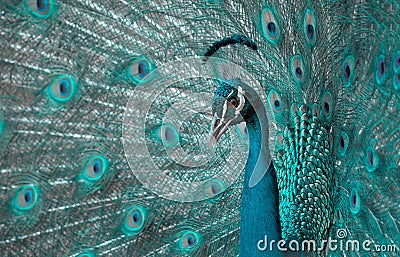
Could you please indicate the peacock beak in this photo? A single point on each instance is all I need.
(226, 114)
(218, 128)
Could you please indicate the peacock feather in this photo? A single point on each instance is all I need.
(107, 107)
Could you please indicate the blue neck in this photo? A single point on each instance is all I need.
(260, 207)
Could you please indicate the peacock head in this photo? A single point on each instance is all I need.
(233, 103)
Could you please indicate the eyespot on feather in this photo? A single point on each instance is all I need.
(40, 8)
(310, 27)
(355, 201)
(135, 219)
(189, 241)
(140, 69)
(348, 69)
(26, 198)
(63, 88)
(95, 168)
(213, 188)
(298, 68)
(327, 105)
(275, 102)
(381, 69)
(270, 26)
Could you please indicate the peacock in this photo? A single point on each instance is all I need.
(199, 128)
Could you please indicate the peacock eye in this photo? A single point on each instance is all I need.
(347, 71)
(298, 68)
(310, 31)
(40, 8)
(275, 102)
(381, 68)
(235, 101)
(355, 201)
(95, 168)
(41, 4)
(380, 73)
(62, 89)
(189, 241)
(343, 143)
(348, 68)
(135, 219)
(168, 135)
(372, 159)
(26, 198)
(213, 188)
(327, 105)
(270, 26)
(140, 69)
(310, 23)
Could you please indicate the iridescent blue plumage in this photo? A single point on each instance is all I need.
(259, 213)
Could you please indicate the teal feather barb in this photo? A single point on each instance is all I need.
(87, 171)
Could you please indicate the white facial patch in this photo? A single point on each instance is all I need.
(230, 94)
(224, 111)
(224, 125)
(241, 101)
